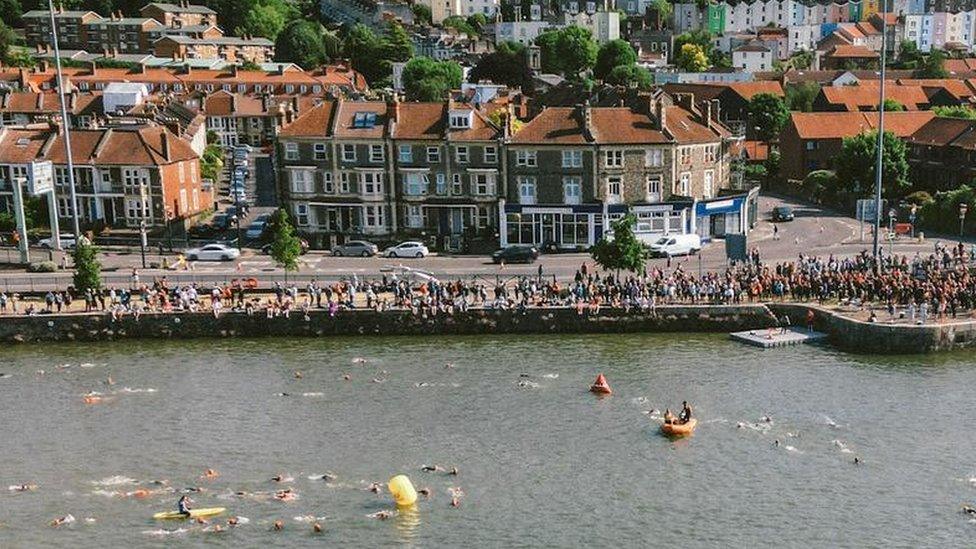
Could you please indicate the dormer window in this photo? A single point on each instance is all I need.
(461, 120)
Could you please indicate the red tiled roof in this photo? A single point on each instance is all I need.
(555, 126)
(126, 147)
(749, 89)
(346, 114)
(21, 146)
(313, 123)
(836, 125)
(420, 121)
(685, 129)
(865, 95)
(755, 150)
(960, 65)
(610, 125)
(941, 132)
(851, 51)
(959, 88)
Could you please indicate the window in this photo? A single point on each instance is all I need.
(376, 153)
(61, 177)
(707, 187)
(525, 158)
(613, 188)
(136, 208)
(461, 154)
(685, 186)
(318, 151)
(456, 187)
(196, 200)
(483, 184)
(811, 145)
(684, 155)
(371, 184)
(183, 201)
(344, 182)
(460, 120)
(491, 155)
(441, 184)
(301, 214)
(301, 181)
(654, 158)
(291, 151)
(572, 159)
(373, 217)
(180, 168)
(482, 217)
(572, 190)
(433, 154)
(348, 153)
(64, 207)
(135, 180)
(613, 159)
(415, 216)
(710, 153)
(653, 188)
(327, 183)
(526, 187)
(405, 153)
(415, 184)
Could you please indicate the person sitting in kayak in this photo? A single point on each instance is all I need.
(685, 414)
(668, 417)
(183, 506)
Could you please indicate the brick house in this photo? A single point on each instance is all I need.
(812, 141)
(123, 176)
(71, 27)
(182, 14)
(942, 154)
(733, 100)
(21, 108)
(121, 34)
(228, 48)
(446, 172)
(255, 120)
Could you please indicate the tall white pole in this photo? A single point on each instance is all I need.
(881, 111)
(65, 122)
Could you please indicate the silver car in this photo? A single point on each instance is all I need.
(355, 248)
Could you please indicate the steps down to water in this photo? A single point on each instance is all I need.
(775, 337)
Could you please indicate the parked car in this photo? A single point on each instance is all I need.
(213, 252)
(407, 249)
(266, 249)
(243, 147)
(679, 244)
(238, 194)
(67, 242)
(516, 254)
(360, 248)
(221, 221)
(783, 213)
(256, 229)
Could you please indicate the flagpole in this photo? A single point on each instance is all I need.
(65, 122)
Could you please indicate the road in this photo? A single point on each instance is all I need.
(813, 232)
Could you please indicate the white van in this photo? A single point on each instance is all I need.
(678, 244)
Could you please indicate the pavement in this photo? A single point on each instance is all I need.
(814, 232)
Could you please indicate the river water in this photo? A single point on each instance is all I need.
(542, 462)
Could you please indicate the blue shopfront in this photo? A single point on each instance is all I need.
(726, 215)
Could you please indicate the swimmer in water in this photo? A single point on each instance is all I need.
(24, 488)
(285, 495)
(109, 381)
(346, 377)
(375, 488)
(969, 510)
(278, 525)
(328, 477)
(317, 528)
(455, 501)
(776, 442)
(382, 515)
(424, 492)
(60, 521)
(432, 468)
(449, 366)
(277, 478)
(298, 375)
(454, 471)
(857, 460)
(232, 521)
(210, 474)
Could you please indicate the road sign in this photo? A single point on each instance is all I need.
(867, 211)
(40, 177)
(735, 247)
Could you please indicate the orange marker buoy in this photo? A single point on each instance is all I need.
(600, 386)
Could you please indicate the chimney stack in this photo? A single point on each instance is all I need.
(165, 144)
(588, 121)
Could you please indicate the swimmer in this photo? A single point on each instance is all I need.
(67, 519)
(766, 419)
(24, 488)
(298, 375)
(278, 478)
(432, 468)
(285, 495)
(328, 477)
(455, 501)
(776, 442)
(449, 366)
(109, 381)
(969, 510)
(454, 471)
(317, 528)
(216, 528)
(346, 377)
(278, 526)
(382, 515)
(201, 520)
(210, 474)
(283, 394)
(232, 521)
(193, 489)
(378, 380)
(857, 460)
(424, 492)
(141, 493)
(375, 487)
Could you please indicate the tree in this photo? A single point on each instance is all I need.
(267, 18)
(286, 248)
(700, 37)
(477, 22)
(425, 79)
(397, 48)
(421, 14)
(799, 97)
(856, 165)
(908, 55)
(212, 162)
(890, 105)
(818, 183)
(11, 12)
(611, 55)
(567, 51)
(631, 76)
(933, 66)
(692, 58)
(507, 65)
(623, 251)
(496, 118)
(459, 24)
(363, 48)
(663, 9)
(956, 111)
(88, 270)
(767, 116)
(9, 38)
(301, 42)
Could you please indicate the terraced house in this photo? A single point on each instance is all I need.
(446, 173)
(572, 171)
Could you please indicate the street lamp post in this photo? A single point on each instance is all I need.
(963, 208)
(881, 130)
(142, 242)
(65, 122)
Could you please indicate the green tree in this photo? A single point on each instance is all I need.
(459, 24)
(768, 116)
(267, 18)
(9, 55)
(818, 184)
(425, 79)
(611, 55)
(363, 48)
(700, 37)
(663, 9)
(507, 65)
(477, 22)
(11, 12)
(212, 162)
(799, 97)
(890, 105)
(955, 111)
(88, 270)
(631, 76)
(421, 14)
(286, 248)
(398, 47)
(692, 58)
(623, 252)
(857, 160)
(301, 42)
(908, 55)
(933, 66)
(567, 51)
(942, 214)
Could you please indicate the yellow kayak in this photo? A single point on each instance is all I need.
(679, 429)
(194, 513)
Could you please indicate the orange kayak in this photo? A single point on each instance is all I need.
(679, 429)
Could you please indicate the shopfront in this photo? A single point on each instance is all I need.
(725, 215)
(560, 227)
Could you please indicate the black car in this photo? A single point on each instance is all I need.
(515, 254)
(220, 222)
(782, 213)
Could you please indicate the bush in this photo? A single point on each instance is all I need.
(42, 267)
(919, 198)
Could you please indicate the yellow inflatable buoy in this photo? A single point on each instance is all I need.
(402, 490)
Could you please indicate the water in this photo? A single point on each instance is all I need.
(543, 464)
